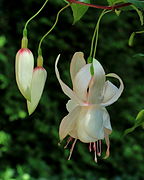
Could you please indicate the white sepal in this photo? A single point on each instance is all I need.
(77, 63)
(37, 86)
(115, 92)
(71, 94)
(24, 65)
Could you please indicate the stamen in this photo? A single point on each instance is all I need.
(107, 153)
(68, 141)
(90, 148)
(94, 146)
(95, 151)
(108, 146)
(99, 147)
(95, 158)
(71, 150)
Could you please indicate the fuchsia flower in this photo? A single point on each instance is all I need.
(88, 119)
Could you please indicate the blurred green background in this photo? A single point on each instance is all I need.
(29, 144)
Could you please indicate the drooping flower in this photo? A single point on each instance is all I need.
(88, 119)
(24, 65)
(30, 80)
(37, 86)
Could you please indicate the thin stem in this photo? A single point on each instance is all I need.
(100, 7)
(94, 34)
(97, 30)
(34, 16)
(57, 17)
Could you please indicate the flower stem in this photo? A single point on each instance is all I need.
(97, 30)
(101, 7)
(25, 28)
(57, 17)
(94, 34)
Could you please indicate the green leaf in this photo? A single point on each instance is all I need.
(138, 122)
(138, 55)
(79, 10)
(137, 3)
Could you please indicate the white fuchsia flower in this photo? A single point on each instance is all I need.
(37, 85)
(24, 65)
(88, 119)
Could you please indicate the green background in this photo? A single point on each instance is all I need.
(29, 144)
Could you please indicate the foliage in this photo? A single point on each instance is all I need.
(29, 145)
(79, 10)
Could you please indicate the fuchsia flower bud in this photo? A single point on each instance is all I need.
(37, 86)
(24, 69)
(30, 81)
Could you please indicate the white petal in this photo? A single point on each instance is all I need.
(37, 86)
(97, 83)
(24, 68)
(81, 82)
(71, 105)
(89, 129)
(81, 127)
(64, 87)
(77, 63)
(68, 123)
(117, 94)
(94, 122)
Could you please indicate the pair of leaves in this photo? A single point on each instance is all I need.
(138, 122)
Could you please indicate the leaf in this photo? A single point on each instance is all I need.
(138, 122)
(137, 3)
(138, 55)
(79, 10)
